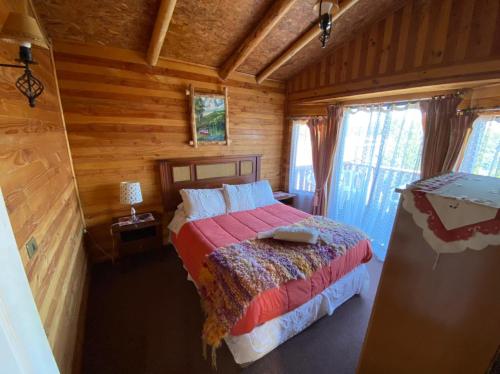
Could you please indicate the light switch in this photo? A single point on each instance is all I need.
(31, 247)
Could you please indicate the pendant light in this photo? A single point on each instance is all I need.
(325, 9)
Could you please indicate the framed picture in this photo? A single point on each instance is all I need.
(209, 118)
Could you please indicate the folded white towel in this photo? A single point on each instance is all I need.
(265, 234)
(296, 234)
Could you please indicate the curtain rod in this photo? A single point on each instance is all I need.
(388, 102)
(408, 101)
(479, 109)
(483, 109)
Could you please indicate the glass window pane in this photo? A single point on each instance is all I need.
(379, 150)
(482, 154)
(301, 176)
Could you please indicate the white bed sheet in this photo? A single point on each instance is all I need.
(178, 221)
(263, 339)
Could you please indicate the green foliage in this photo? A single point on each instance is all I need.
(199, 108)
(210, 119)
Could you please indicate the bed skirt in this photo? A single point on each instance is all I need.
(248, 348)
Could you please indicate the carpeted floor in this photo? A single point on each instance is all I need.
(144, 317)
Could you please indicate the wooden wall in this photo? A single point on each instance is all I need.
(40, 193)
(122, 116)
(423, 43)
(485, 97)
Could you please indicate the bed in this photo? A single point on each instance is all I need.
(277, 314)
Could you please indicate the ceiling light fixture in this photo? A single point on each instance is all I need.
(325, 9)
(22, 29)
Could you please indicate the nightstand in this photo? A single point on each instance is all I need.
(129, 238)
(285, 197)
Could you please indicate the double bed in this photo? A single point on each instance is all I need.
(276, 314)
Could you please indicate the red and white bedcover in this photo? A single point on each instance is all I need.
(196, 239)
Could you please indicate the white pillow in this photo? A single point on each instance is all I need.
(238, 197)
(262, 193)
(203, 203)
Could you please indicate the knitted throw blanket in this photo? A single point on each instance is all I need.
(232, 276)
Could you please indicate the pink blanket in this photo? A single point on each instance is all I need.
(199, 238)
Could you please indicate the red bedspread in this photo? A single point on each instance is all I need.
(198, 238)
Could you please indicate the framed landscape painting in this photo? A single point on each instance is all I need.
(209, 118)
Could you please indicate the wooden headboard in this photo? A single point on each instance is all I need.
(204, 172)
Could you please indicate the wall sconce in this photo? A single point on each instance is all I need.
(325, 10)
(22, 29)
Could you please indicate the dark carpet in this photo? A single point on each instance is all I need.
(144, 317)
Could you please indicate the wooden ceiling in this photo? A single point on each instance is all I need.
(205, 32)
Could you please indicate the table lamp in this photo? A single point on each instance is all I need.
(130, 194)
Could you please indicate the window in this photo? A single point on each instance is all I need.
(379, 150)
(482, 153)
(301, 180)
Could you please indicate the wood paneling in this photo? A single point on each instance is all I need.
(41, 198)
(421, 44)
(122, 116)
(484, 97)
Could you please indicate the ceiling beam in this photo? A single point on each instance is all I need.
(160, 30)
(266, 24)
(300, 43)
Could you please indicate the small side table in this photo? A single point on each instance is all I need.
(285, 197)
(137, 237)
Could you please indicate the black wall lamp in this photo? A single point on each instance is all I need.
(325, 10)
(22, 29)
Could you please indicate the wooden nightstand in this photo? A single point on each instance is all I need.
(285, 197)
(137, 237)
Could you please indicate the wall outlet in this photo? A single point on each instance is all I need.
(31, 247)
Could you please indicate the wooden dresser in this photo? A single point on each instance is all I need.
(434, 315)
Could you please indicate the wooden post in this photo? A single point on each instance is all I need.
(256, 36)
(226, 106)
(300, 43)
(160, 30)
(193, 116)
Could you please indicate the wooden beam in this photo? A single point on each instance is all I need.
(487, 71)
(266, 24)
(300, 43)
(160, 30)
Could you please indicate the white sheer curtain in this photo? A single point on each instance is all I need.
(379, 149)
(482, 154)
(301, 176)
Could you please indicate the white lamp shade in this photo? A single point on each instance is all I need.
(21, 28)
(130, 193)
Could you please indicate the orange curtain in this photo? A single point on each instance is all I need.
(324, 137)
(461, 123)
(437, 118)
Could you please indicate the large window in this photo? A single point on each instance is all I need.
(301, 181)
(482, 154)
(379, 150)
